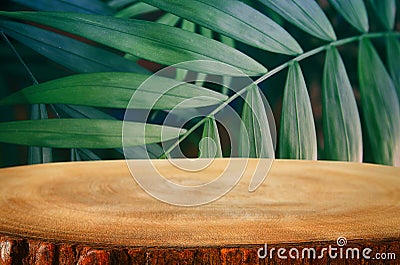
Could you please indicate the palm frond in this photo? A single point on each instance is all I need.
(380, 106)
(341, 122)
(117, 43)
(297, 138)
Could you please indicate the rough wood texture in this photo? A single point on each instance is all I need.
(95, 213)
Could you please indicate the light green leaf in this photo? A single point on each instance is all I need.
(354, 12)
(379, 105)
(228, 41)
(297, 133)
(234, 19)
(341, 122)
(385, 11)
(135, 9)
(168, 19)
(36, 154)
(189, 26)
(255, 136)
(206, 32)
(305, 14)
(393, 57)
(210, 145)
(148, 40)
(83, 133)
(114, 90)
(77, 6)
(71, 53)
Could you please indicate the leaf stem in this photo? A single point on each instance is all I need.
(273, 72)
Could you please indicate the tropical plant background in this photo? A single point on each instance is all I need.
(69, 68)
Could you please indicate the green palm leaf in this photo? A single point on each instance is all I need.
(341, 122)
(78, 6)
(380, 106)
(393, 57)
(385, 11)
(305, 14)
(202, 30)
(234, 19)
(114, 90)
(83, 133)
(148, 40)
(354, 12)
(71, 53)
(297, 133)
(255, 136)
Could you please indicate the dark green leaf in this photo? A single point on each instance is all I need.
(210, 145)
(297, 134)
(83, 133)
(379, 105)
(114, 90)
(354, 12)
(305, 14)
(234, 19)
(341, 122)
(73, 54)
(148, 40)
(393, 55)
(385, 11)
(77, 6)
(255, 136)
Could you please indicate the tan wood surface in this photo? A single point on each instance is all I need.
(98, 205)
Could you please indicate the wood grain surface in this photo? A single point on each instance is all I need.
(98, 206)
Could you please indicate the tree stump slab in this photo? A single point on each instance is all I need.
(95, 213)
